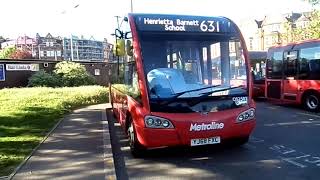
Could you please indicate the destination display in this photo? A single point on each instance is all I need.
(183, 23)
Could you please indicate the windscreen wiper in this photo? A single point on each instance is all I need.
(219, 90)
(199, 98)
(176, 95)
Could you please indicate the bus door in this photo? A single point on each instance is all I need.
(290, 83)
(274, 75)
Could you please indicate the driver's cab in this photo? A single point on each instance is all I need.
(178, 76)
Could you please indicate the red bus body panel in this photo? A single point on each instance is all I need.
(180, 135)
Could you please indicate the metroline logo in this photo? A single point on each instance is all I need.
(206, 127)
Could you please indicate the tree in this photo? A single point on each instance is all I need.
(313, 2)
(14, 53)
(7, 52)
(312, 29)
(20, 54)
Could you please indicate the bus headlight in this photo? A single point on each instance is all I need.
(149, 121)
(246, 115)
(157, 122)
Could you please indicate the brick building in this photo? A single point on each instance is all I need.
(48, 48)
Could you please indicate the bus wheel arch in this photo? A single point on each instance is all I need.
(311, 100)
(136, 148)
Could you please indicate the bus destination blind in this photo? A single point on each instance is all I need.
(183, 24)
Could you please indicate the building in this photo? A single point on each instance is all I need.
(9, 43)
(81, 49)
(260, 34)
(48, 48)
(22, 42)
(107, 50)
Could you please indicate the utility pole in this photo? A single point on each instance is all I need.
(118, 58)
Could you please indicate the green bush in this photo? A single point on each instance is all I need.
(44, 79)
(66, 74)
(73, 74)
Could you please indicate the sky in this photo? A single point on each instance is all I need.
(97, 17)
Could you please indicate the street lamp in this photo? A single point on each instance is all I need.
(278, 37)
(71, 39)
(261, 32)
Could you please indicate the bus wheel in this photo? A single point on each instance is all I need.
(135, 146)
(241, 141)
(311, 102)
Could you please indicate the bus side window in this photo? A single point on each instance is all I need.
(309, 63)
(290, 63)
(275, 65)
(132, 82)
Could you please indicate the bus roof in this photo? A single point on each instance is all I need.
(183, 23)
(295, 43)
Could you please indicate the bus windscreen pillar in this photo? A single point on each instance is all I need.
(225, 63)
(209, 65)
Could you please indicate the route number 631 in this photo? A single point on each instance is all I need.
(209, 26)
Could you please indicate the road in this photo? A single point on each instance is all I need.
(285, 146)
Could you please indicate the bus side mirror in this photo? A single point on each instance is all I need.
(129, 48)
(119, 49)
(128, 35)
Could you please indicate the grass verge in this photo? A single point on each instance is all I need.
(28, 114)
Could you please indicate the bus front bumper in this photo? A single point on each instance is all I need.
(182, 135)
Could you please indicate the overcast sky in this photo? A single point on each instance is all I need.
(96, 17)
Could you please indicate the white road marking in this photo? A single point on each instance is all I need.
(199, 158)
(255, 140)
(271, 107)
(291, 160)
(250, 146)
(313, 161)
(291, 123)
(307, 114)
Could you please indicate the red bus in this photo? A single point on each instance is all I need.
(293, 74)
(258, 60)
(187, 84)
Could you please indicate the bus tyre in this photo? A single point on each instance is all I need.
(242, 141)
(311, 102)
(135, 147)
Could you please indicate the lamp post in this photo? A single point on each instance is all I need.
(71, 39)
(261, 32)
(278, 34)
(291, 19)
(131, 6)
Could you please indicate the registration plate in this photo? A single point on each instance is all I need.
(204, 141)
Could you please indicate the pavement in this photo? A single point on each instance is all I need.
(78, 148)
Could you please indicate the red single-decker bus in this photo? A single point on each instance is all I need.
(293, 74)
(187, 84)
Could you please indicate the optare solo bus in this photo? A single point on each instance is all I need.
(187, 83)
